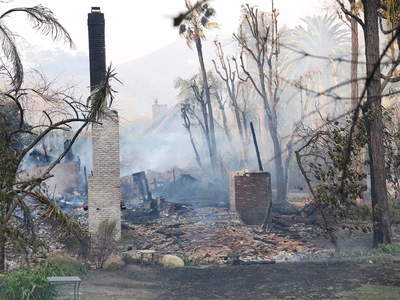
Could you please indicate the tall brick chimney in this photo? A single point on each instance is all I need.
(97, 46)
(104, 194)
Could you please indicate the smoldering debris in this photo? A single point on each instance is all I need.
(175, 184)
(205, 235)
(217, 235)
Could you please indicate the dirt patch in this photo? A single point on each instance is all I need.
(338, 279)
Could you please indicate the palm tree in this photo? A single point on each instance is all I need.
(312, 51)
(44, 21)
(199, 18)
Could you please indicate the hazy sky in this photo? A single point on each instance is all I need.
(135, 28)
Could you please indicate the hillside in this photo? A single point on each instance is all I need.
(144, 79)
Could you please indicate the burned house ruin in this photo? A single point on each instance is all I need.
(104, 196)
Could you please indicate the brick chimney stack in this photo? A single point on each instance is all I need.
(97, 46)
(104, 195)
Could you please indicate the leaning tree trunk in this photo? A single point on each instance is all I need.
(373, 120)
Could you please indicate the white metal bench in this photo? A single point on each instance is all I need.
(63, 279)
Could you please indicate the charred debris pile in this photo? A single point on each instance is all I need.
(163, 212)
(174, 185)
(217, 235)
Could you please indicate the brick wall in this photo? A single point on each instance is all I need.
(250, 195)
(104, 194)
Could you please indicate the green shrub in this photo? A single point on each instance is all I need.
(389, 248)
(25, 283)
(103, 242)
(351, 254)
(197, 261)
(186, 259)
(68, 265)
(126, 238)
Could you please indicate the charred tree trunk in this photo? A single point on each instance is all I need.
(204, 124)
(208, 103)
(218, 97)
(232, 86)
(265, 54)
(288, 159)
(279, 171)
(354, 60)
(187, 125)
(260, 167)
(372, 112)
(354, 71)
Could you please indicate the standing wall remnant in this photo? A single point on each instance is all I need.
(250, 195)
(104, 195)
(135, 189)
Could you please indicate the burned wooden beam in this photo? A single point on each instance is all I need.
(260, 167)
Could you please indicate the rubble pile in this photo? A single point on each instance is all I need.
(71, 198)
(216, 235)
(207, 235)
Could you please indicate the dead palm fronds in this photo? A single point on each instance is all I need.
(102, 94)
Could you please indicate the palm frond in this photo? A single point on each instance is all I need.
(197, 18)
(11, 53)
(201, 34)
(102, 94)
(209, 13)
(45, 22)
(212, 25)
(66, 229)
(182, 29)
(189, 37)
(204, 21)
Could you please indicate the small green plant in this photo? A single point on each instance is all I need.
(27, 284)
(68, 265)
(389, 248)
(216, 262)
(186, 259)
(102, 243)
(197, 261)
(351, 254)
(126, 238)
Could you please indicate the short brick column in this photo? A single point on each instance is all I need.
(250, 195)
